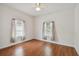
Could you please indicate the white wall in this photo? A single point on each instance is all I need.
(64, 23)
(6, 15)
(0, 26)
(77, 28)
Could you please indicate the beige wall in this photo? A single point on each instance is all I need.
(6, 14)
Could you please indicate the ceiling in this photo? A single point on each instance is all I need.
(46, 8)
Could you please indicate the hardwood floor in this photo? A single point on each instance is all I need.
(38, 48)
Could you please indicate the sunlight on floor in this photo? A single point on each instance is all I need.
(19, 51)
(48, 51)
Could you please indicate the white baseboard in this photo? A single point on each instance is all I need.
(37, 39)
(56, 42)
(13, 44)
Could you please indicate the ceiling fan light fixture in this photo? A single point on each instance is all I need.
(38, 9)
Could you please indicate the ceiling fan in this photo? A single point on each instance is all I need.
(39, 6)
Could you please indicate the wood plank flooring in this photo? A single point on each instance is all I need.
(38, 48)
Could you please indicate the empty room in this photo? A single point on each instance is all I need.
(39, 29)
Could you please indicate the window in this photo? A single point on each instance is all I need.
(19, 28)
(17, 31)
(48, 30)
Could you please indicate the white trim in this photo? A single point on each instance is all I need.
(57, 43)
(14, 44)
